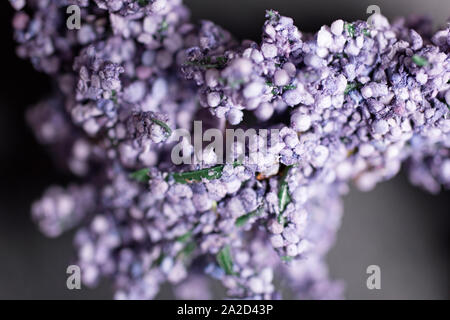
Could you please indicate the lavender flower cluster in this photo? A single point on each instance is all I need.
(352, 102)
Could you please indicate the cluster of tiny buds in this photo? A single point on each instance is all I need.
(350, 103)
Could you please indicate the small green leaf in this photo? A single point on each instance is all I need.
(206, 63)
(236, 83)
(197, 175)
(185, 237)
(140, 175)
(190, 247)
(289, 87)
(163, 27)
(185, 177)
(142, 3)
(277, 90)
(287, 258)
(350, 29)
(187, 250)
(225, 261)
(272, 15)
(419, 61)
(366, 32)
(214, 206)
(242, 220)
(202, 65)
(163, 125)
(352, 86)
(114, 96)
(158, 261)
(341, 55)
(283, 192)
(222, 61)
(281, 220)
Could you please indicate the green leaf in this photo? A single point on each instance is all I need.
(140, 175)
(281, 220)
(185, 237)
(225, 261)
(114, 96)
(143, 3)
(350, 29)
(202, 65)
(163, 125)
(283, 193)
(206, 63)
(242, 220)
(164, 26)
(366, 32)
(158, 261)
(185, 177)
(341, 55)
(197, 175)
(289, 87)
(276, 90)
(222, 61)
(352, 86)
(272, 15)
(236, 83)
(214, 206)
(287, 258)
(190, 247)
(187, 250)
(419, 61)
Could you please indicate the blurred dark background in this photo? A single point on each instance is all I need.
(398, 227)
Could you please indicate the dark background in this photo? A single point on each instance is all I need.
(396, 226)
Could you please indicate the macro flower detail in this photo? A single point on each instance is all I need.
(353, 103)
